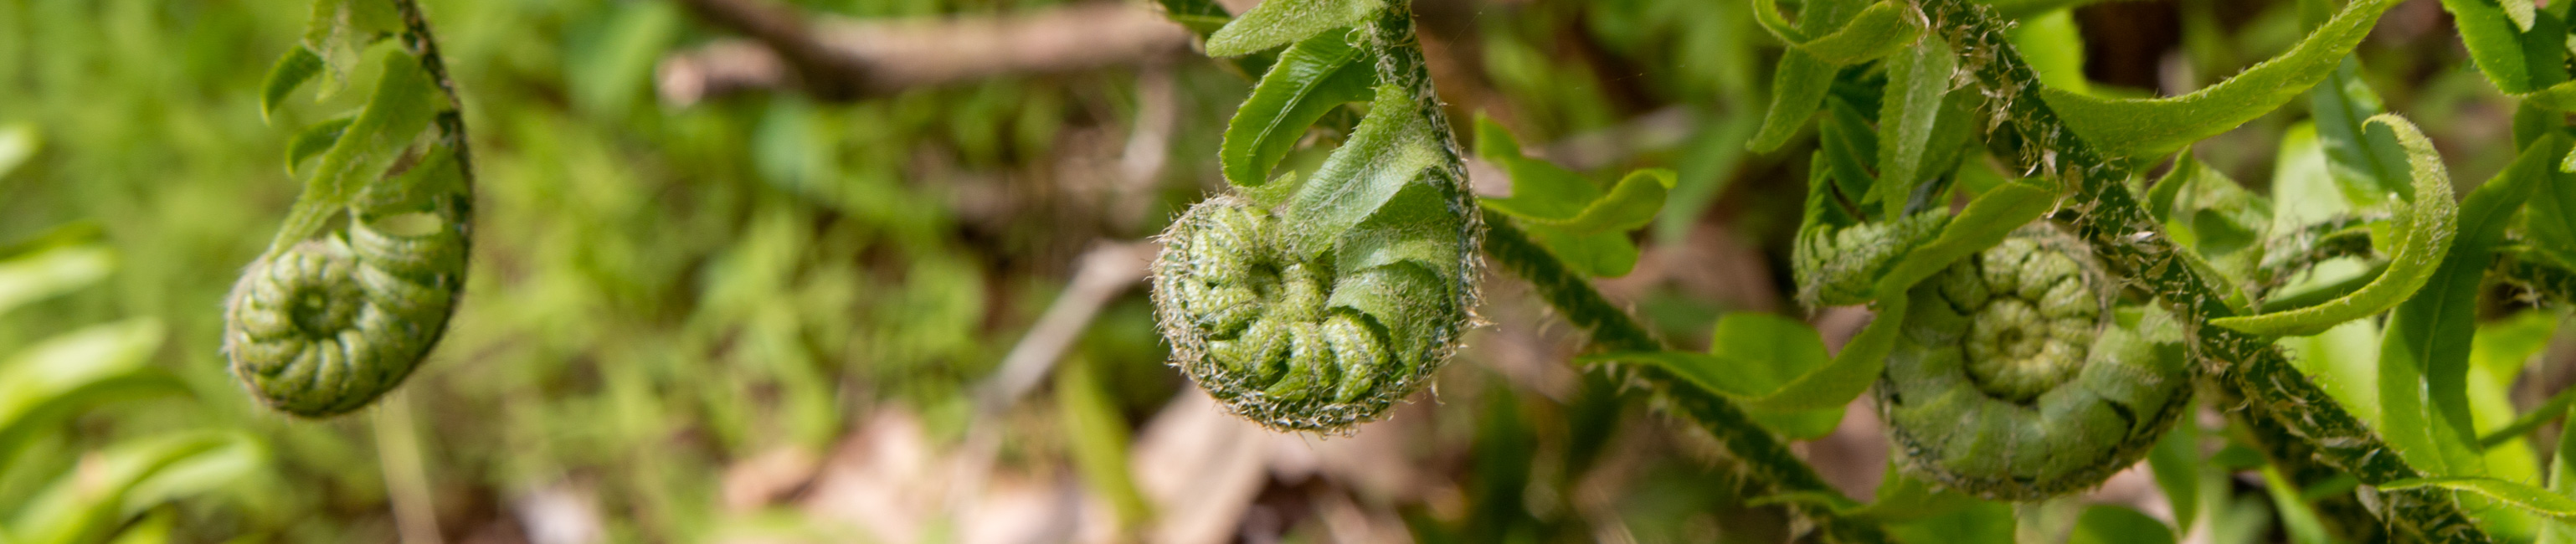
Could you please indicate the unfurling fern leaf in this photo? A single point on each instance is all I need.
(359, 283)
(1316, 304)
(2017, 379)
(330, 324)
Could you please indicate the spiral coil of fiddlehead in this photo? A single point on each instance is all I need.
(361, 281)
(2017, 379)
(1299, 342)
(1315, 305)
(331, 323)
(1835, 266)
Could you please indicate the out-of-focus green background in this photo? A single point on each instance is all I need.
(762, 317)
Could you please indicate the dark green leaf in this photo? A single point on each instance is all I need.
(291, 71)
(314, 140)
(2367, 164)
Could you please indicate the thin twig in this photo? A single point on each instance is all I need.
(837, 59)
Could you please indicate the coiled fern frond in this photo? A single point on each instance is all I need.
(1316, 304)
(2017, 378)
(359, 284)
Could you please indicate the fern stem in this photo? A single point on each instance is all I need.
(2109, 216)
(1774, 469)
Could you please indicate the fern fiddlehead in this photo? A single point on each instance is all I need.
(2015, 380)
(1319, 305)
(2255, 374)
(359, 284)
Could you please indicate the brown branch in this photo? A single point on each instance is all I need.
(837, 59)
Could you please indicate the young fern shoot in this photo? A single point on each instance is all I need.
(1317, 304)
(359, 284)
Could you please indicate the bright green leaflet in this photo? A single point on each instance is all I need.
(1310, 80)
(1564, 212)
(2547, 411)
(2520, 495)
(2424, 237)
(2132, 127)
(1875, 32)
(80, 503)
(1630, 205)
(47, 383)
(1750, 355)
(401, 106)
(1276, 23)
(2424, 353)
(2561, 484)
(51, 271)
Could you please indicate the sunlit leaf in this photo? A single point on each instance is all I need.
(2053, 45)
(1310, 80)
(2129, 127)
(51, 271)
(1880, 29)
(1274, 23)
(2424, 238)
(18, 142)
(89, 504)
(1630, 205)
(2424, 355)
(39, 384)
